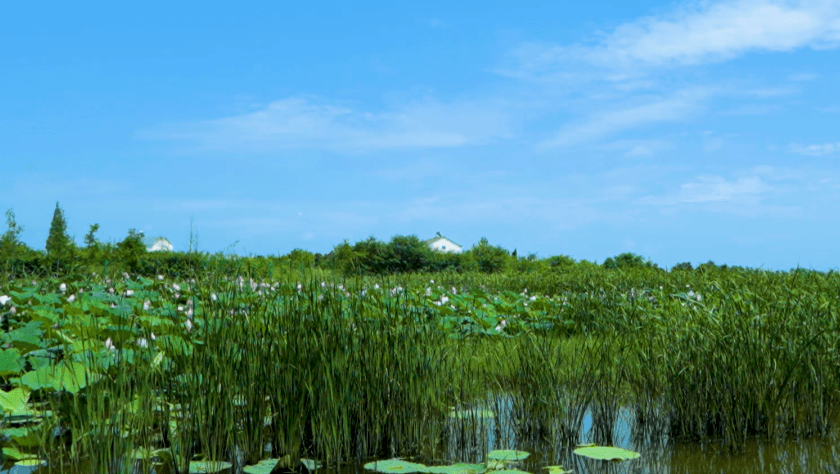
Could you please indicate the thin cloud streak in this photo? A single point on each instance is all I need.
(299, 123)
(815, 150)
(681, 105)
(691, 35)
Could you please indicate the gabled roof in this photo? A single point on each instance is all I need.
(439, 238)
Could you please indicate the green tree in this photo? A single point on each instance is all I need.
(410, 254)
(60, 248)
(11, 248)
(131, 250)
(490, 259)
(90, 240)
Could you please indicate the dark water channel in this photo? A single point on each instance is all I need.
(471, 437)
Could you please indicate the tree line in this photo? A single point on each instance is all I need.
(62, 257)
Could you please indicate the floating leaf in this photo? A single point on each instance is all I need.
(558, 470)
(508, 455)
(31, 462)
(207, 467)
(606, 453)
(460, 468)
(13, 453)
(394, 465)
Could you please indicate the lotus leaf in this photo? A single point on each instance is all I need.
(31, 462)
(206, 467)
(606, 453)
(13, 453)
(394, 465)
(66, 376)
(460, 468)
(558, 470)
(10, 362)
(508, 455)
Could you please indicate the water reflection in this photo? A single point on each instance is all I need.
(470, 438)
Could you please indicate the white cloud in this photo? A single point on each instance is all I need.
(679, 106)
(714, 189)
(815, 150)
(694, 34)
(298, 123)
(802, 77)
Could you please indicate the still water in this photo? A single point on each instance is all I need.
(470, 438)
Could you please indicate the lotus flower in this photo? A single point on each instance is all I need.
(109, 345)
(62, 287)
(4, 299)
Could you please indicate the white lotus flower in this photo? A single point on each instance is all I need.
(428, 292)
(213, 296)
(499, 328)
(299, 286)
(176, 287)
(431, 281)
(504, 322)
(129, 292)
(153, 336)
(111, 290)
(142, 342)
(189, 325)
(376, 286)
(109, 345)
(147, 304)
(444, 299)
(190, 313)
(12, 310)
(4, 299)
(62, 287)
(71, 299)
(160, 277)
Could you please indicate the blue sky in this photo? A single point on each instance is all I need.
(677, 131)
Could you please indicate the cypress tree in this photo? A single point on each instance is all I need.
(59, 246)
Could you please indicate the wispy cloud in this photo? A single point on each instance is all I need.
(300, 123)
(678, 106)
(815, 150)
(693, 34)
(709, 189)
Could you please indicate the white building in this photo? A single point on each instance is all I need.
(156, 244)
(442, 244)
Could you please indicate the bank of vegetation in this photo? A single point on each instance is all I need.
(116, 359)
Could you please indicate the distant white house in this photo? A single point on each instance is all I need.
(443, 244)
(156, 244)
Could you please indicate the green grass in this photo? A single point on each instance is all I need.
(349, 370)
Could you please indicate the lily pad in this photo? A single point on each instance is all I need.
(31, 462)
(13, 453)
(508, 455)
(207, 467)
(460, 468)
(394, 465)
(606, 453)
(558, 470)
